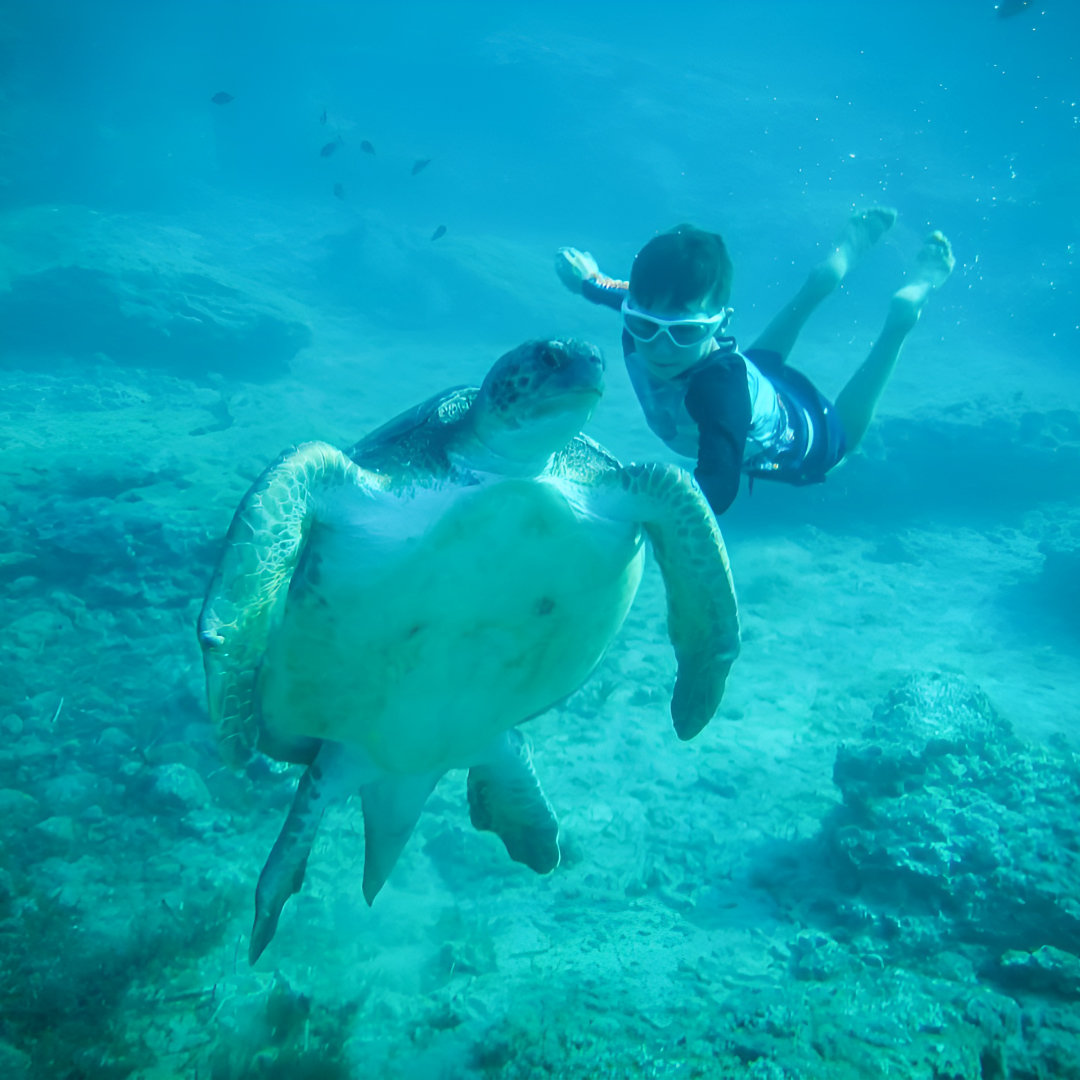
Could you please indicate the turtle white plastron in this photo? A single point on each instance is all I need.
(389, 613)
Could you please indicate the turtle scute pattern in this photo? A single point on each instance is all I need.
(405, 448)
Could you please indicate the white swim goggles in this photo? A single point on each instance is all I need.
(683, 333)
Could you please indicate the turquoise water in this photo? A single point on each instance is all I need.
(867, 864)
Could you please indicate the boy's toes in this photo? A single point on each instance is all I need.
(936, 260)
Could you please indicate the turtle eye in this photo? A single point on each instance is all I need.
(553, 357)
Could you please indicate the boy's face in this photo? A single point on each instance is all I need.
(672, 340)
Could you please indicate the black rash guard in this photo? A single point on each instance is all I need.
(718, 401)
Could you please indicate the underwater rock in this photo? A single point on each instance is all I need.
(1053, 1045)
(112, 552)
(72, 791)
(997, 1016)
(14, 1064)
(18, 809)
(1058, 585)
(173, 753)
(951, 467)
(816, 957)
(954, 829)
(189, 323)
(180, 787)
(1046, 970)
(59, 830)
(928, 729)
(115, 742)
(37, 629)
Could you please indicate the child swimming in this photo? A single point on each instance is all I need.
(747, 412)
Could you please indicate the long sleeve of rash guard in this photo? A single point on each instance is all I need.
(605, 290)
(719, 403)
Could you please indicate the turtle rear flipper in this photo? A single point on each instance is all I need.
(336, 773)
(262, 550)
(283, 874)
(505, 798)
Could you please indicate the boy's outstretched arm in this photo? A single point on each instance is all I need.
(717, 402)
(579, 272)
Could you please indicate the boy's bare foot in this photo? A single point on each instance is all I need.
(933, 265)
(861, 232)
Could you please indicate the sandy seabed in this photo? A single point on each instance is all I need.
(708, 918)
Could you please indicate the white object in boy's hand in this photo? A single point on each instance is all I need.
(574, 267)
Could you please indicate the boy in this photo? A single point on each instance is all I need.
(747, 412)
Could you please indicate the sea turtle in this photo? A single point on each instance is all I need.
(385, 614)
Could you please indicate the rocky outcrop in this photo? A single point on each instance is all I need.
(953, 830)
(188, 323)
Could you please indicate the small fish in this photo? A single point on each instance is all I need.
(330, 147)
(1012, 7)
(339, 191)
(222, 98)
(322, 119)
(367, 147)
(419, 164)
(439, 232)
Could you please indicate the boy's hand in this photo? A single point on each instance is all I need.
(574, 267)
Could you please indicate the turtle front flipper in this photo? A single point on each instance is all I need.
(703, 619)
(262, 550)
(333, 775)
(505, 798)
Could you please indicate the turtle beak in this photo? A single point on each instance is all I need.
(573, 399)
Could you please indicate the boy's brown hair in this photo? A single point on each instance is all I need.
(684, 269)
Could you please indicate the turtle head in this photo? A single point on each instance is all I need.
(535, 399)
